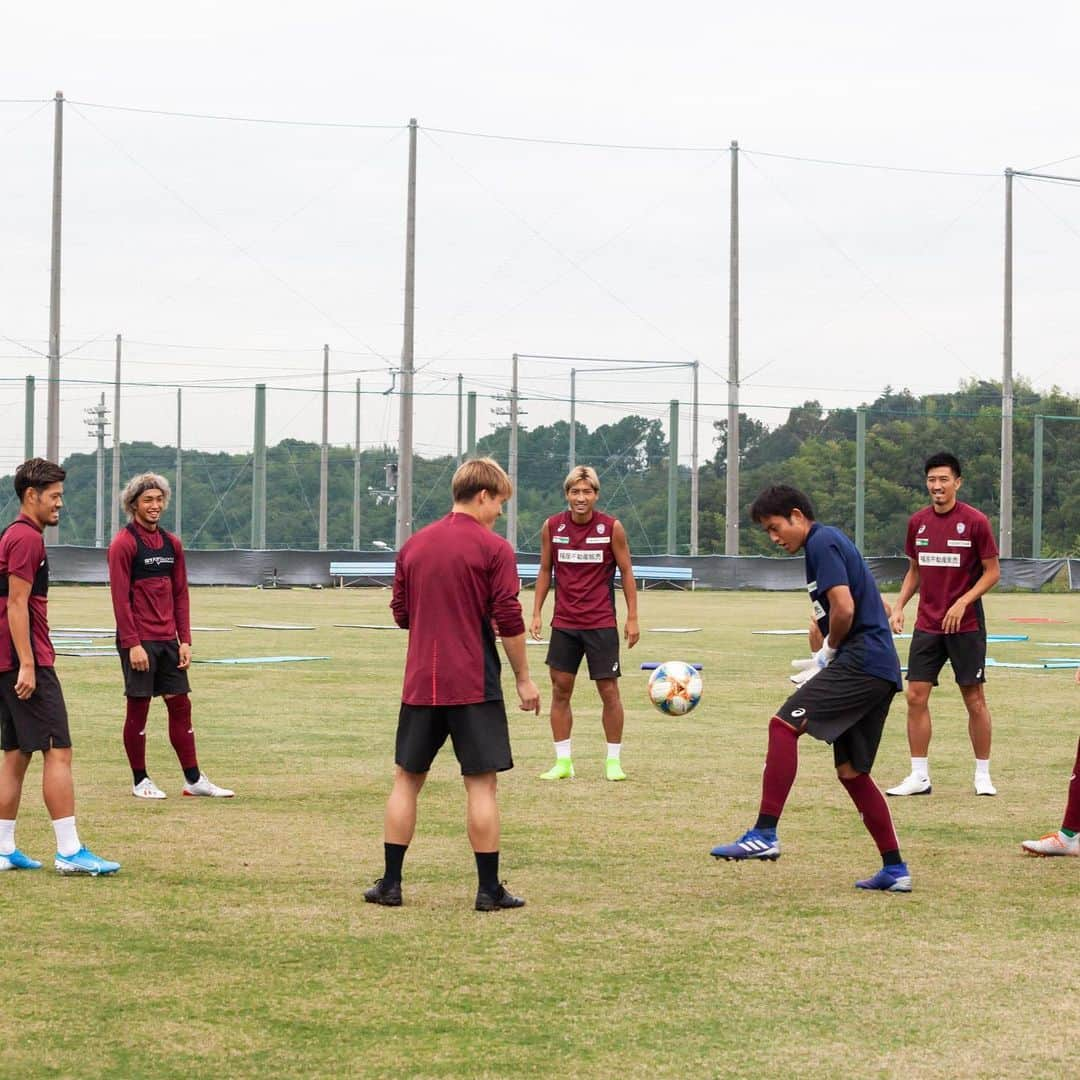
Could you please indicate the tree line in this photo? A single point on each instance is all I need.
(813, 448)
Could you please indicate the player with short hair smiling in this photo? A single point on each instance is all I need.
(844, 690)
(952, 563)
(584, 548)
(149, 586)
(456, 586)
(33, 715)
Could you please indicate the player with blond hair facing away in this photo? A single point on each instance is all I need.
(584, 548)
(33, 715)
(148, 581)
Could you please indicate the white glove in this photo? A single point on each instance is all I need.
(809, 668)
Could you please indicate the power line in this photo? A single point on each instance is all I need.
(236, 119)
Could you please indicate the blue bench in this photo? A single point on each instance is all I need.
(670, 574)
(358, 572)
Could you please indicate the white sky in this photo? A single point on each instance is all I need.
(233, 251)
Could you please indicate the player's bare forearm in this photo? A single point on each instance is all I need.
(18, 612)
(841, 614)
(991, 575)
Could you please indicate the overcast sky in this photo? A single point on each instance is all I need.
(228, 253)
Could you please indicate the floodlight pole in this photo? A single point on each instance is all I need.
(470, 425)
(258, 471)
(28, 420)
(324, 450)
(356, 477)
(731, 498)
(178, 494)
(52, 423)
(404, 501)
(1006, 502)
(673, 477)
(114, 512)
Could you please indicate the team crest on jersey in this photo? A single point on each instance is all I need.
(960, 527)
(600, 528)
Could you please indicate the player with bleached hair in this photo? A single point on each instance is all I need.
(148, 581)
(844, 691)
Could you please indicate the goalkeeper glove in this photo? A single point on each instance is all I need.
(809, 668)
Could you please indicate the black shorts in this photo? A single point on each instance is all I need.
(966, 653)
(165, 675)
(844, 708)
(599, 647)
(40, 722)
(479, 732)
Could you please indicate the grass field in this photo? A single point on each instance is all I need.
(235, 942)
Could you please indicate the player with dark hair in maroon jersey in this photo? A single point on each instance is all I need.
(456, 586)
(952, 562)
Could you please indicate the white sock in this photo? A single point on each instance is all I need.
(920, 766)
(67, 836)
(7, 837)
(562, 748)
(614, 749)
(982, 768)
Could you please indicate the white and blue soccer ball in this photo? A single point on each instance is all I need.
(675, 688)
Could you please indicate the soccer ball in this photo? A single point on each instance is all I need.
(675, 688)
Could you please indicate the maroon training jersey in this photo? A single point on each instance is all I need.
(948, 549)
(22, 555)
(584, 567)
(454, 580)
(150, 608)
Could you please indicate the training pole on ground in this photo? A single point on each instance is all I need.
(356, 477)
(28, 420)
(52, 420)
(470, 425)
(114, 490)
(673, 476)
(404, 501)
(258, 475)
(324, 450)
(731, 495)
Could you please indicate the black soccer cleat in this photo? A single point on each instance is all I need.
(488, 901)
(387, 893)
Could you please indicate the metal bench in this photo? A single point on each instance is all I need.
(670, 574)
(375, 573)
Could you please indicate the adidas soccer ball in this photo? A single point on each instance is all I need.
(675, 688)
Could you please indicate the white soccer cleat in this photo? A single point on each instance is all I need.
(911, 785)
(1054, 843)
(203, 786)
(984, 785)
(147, 789)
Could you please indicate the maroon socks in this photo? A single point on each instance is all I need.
(781, 765)
(181, 734)
(874, 809)
(1072, 807)
(138, 708)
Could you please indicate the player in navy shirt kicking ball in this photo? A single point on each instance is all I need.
(844, 691)
(456, 586)
(952, 562)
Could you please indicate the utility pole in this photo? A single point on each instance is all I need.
(860, 476)
(673, 478)
(28, 420)
(52, 423)
(324, 453)
(356, 477)
(512, 464)
(96, 421)
(694, 479)
(178, 493)
(404, 505)
(1005, 504)
(460, 385)
(731, 500)
(470, 430)
(114, 512)
(573, 419)
(1037, 492)
(258, 471)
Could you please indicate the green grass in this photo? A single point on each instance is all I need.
(235, 941)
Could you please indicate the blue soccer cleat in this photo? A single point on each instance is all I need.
(84, 861)
(888, 879)
(16, 860)
(753, 844)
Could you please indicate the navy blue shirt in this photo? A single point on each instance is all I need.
(831, 560)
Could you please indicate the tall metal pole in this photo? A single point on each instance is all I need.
(573, 419)
(52, 421)
(258, 471)
(28, 421)
(1006, 502)
(673, 477)
(860, 476)
(511, 507)
(1037, 492)
(731, 501)
(324, 453)
(178, 492)
(694, 467)
(114, 493)
(356, 477)
(99, 516)
(404, 502)
(470, 429)
(460, 403)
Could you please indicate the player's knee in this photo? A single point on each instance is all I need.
(846, 771)
(918, 694)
